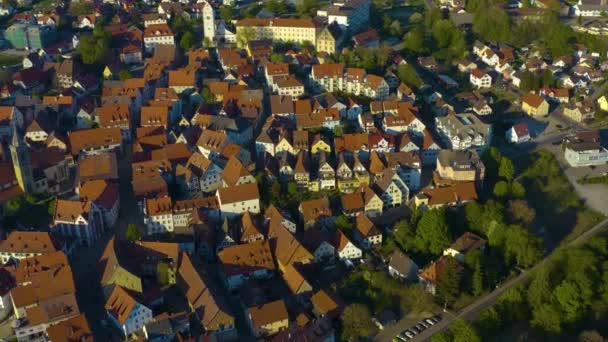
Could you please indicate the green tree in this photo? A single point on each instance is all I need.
(356, 322)
(590, 336)
(501, 189)
(244, 35)
(529, 82)
(124, 75)
(441, 336)
(187, 40)
(132, 233)
(449, 41)
(477, 285)
(432, 232)
(342, 222)
(162, 273)
(448, 285)
(513, 304)
(488, 323)
(206, 43)
(520, 211)
(522, 246)
(206, 95)
(413, 41)
(462, 331)
(276, 6)
(547, 318)
(276, 58)
(506, 169)
(492, 24)
(517, 190)
(409, 76)
(568, 296)
(307, 8)
(227, 13)
(404, 234)
(95, 48)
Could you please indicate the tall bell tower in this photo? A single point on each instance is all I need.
(21, 162)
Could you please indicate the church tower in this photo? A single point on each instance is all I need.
(21, 162)
(208, 21)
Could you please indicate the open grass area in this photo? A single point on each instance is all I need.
(594, 180)
(557, 204)
(8, 60)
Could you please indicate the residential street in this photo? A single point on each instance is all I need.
(470, 312)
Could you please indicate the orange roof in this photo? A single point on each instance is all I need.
(184, 77)
(268, 313)
(120, 304)
(247, 258)
(75, 329)
(101, 192)
(328, 70)
(94, 138)
(233, 171)
(239, 193)
(533, 100)
(29, 242)
(159, 206)
(351, 142)
(154, 116)
(71, 210)
(158, 30)
(57, 100)
(313, 209)
(446, 195)
(432, 273)
(277, 69)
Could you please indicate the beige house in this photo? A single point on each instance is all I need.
(268, 319)
(579, 112)
(460, 166)
(276, 29)
(327, 39)
(534, 105)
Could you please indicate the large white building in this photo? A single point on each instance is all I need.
(208, 21)
(156, 35)
(334, 77)
(585, 149)
(464, 131)
(238, 199)
(79, 220)
(287, 30)
(351, 15)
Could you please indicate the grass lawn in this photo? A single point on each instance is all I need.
(594, 180)
(8, 60)
(553, 197)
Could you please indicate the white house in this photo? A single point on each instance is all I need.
(80, 220)
(518, 133)
(158, 216)
(126, 312)
(366, 232)
(345, 248)
(480, 79)
(158, 34)
(402, 267)
(238, 199)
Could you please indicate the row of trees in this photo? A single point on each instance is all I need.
(567, 300)
(493, 24)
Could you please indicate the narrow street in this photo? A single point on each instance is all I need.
(87, 273)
